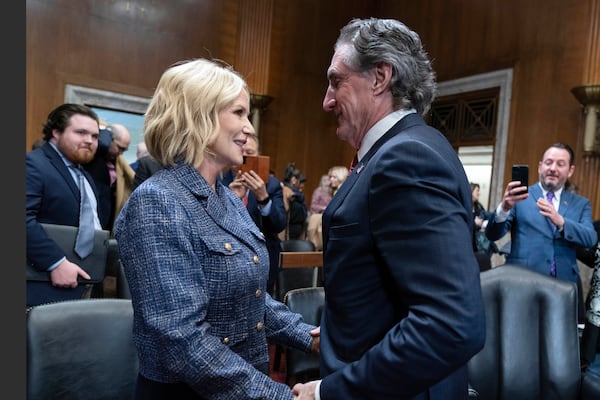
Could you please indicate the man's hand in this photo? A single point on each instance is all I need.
(548, 210)
(254, 183)
(237, 186)
(316, 334)
(304, 391)
(513, 194)
(65, 275)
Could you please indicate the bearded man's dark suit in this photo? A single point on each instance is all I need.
(99, 171)
(51, 196)
(403, 309)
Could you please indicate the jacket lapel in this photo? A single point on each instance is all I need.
(62, 169)
(219, 204)
(403, 124)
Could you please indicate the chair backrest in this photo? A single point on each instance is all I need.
(298, 277)
(309, 303)
(297, 245)
(532, 347)
(123, 291)
(81, 349)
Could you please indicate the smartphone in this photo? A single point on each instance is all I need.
(520, 172)
(259, 164)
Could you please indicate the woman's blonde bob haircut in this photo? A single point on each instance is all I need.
(183, 116)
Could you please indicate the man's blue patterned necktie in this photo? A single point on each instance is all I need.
(85, 235)
(550, 197)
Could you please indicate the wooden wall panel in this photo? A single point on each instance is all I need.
(122, 46)
(295, 128)
(125, 46)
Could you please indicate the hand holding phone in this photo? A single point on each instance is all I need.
(258, 164)
(520, 172)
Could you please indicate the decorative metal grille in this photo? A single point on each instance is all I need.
(467, 119)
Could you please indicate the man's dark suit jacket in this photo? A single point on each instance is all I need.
(99, 172)
(146, 167)
(403, 307)
(270, 225)
(52, 197)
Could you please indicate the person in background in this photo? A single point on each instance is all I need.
(321, 196)
(52, 196)
(590, 339)
(146, 167)
(264, 202)
(337, 176)
(314, 231)
(37, 144)
(403, 309)
(544, 234)
(480, 220)
(141, 151)
(319, 201)
(111, 172)
(196, 264)
(294, 202)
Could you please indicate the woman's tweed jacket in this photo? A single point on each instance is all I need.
(197, 269)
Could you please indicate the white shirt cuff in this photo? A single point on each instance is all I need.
(501, 215)
(317, 388)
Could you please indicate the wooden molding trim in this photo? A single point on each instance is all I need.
(300, 259)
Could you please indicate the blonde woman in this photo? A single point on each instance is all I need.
(196, 263)
(337, 176)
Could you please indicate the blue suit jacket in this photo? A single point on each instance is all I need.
(534, 241)
(403, 310)
(197, 268)
(51, 196)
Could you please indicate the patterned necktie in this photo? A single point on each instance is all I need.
(550, 197)
(353, 164)
(85, 235)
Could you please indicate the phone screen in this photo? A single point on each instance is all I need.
(520, 172)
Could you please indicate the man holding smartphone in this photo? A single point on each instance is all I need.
(546, 220)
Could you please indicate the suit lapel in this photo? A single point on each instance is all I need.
(62, 169)
(403, 124)
(565, 200)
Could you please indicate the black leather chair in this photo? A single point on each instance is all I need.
(294, 278)
(484, 260)
(300, 366)
(122, 285)
(532, 344)
(81, 349)
(590, 387)
(111, 271)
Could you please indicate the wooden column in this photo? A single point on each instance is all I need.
(253, 53)
(588, 169)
